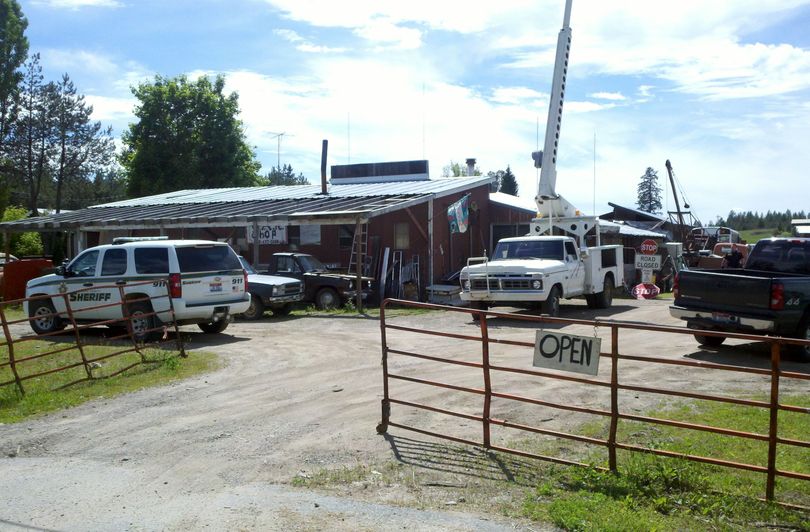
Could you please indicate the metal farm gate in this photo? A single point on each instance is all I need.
(431, 395)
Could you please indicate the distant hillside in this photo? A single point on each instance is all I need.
(753, 235)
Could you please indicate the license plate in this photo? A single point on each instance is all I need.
(216, 287)
(722, 317)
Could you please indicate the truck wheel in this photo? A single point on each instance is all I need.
(283, 311)
(710, 341)
(215, 327)
(42, 322)
(141, 323)
(478, 305)
(802, 353)
(590, 299)
(327, 298)
(604, 299)
(256, 308)
(551, 305)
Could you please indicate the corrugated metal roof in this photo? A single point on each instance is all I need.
(629, 230)
(513, 201)
(436, 187)
(241, 206)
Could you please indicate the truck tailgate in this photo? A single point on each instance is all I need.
(710, 289)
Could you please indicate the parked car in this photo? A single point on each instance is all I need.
(206, 283)
(272, 292)
(322, 287)
(769, 295)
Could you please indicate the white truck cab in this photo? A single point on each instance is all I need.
(206, 282)
(539, 271)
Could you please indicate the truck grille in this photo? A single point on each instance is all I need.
(502, 283)
(291, 289)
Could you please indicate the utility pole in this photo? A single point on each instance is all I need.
(278, 147)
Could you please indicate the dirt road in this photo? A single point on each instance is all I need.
(297, 396)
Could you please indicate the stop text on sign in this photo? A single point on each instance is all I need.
(648, 247)
(567, 352)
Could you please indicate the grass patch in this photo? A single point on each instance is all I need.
(42, 394)
(752, 236)
(648, 493)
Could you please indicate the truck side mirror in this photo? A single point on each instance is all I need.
(583, 254)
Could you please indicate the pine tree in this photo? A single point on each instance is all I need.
(649, 193)
(508, 184)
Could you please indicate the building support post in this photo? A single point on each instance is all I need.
(361, 259)
(430, 248)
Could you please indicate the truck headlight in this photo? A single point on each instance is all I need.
(537, 284)
(351, 285)
(466, 284)
(276, 290)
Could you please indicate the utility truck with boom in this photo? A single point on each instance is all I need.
(554, 261)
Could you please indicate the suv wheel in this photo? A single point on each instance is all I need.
(215, 327)
(43, 321)
(142, 321)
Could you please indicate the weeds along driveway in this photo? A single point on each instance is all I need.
(296, 396)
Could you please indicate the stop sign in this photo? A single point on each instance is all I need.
(645, 291)
(648, 247)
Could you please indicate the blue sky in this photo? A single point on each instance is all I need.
(720, 88)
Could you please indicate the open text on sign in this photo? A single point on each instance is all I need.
(567, 352)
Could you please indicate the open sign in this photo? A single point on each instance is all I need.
(567, 352)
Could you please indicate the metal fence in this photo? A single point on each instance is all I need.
(616, 414)
(67, 349)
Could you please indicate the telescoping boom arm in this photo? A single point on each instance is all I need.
(549, 203)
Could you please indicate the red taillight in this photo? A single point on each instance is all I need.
(676, 290)
(244, 274)
(777, 296)
(175, 286)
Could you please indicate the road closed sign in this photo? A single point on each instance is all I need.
(651, 262)
(567, 352)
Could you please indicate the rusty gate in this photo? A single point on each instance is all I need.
(773, 376)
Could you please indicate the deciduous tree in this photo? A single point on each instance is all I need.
(188, 135)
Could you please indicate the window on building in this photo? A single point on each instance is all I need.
(401, 236)
(294, 235)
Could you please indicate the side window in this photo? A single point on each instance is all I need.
(152, 260)
(401, 236)
(285, 264)
(85, 264)
(114, 262)
(570, 250)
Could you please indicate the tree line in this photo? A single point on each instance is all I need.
(743, 221)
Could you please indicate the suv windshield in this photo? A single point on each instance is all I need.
(529, 249)
(207, 259)
(783, 256)
(311, 264)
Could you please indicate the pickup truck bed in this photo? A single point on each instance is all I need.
(757, 301)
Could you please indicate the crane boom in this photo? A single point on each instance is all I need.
(549, 203)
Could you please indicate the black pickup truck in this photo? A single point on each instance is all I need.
(324, 288)
(770, 295)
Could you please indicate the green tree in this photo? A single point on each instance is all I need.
(455, 169)
(649, 193)
(508, 183)
(285, 176)
(187, 136)
(83, 148)
(13, 52)
(22, 244)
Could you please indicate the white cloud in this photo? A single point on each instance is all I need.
(302, 45)
(78, 4)
(613, 96)
(107, 109)
(390, 35)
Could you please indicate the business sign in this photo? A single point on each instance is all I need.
(567, 352)
(646, 276)
(652, 262)
(648, 247)
(645, 291)
(268, 234)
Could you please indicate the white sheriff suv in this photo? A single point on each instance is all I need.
(206, 281)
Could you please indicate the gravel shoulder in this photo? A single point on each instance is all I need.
(295, 396)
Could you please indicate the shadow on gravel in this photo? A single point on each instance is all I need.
(471, 462)
(573, 312)
(749, 355)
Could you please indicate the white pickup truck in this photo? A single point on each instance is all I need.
(538, 271)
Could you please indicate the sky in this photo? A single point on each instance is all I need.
(720, 88)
